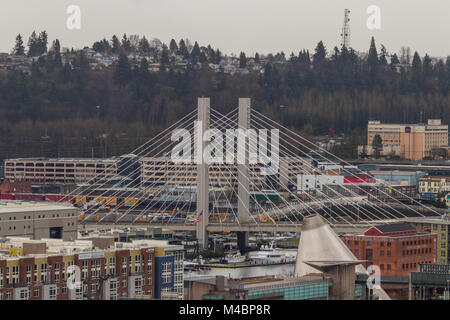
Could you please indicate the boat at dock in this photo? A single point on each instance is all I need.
(270, 255)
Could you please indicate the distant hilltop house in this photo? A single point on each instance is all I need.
(407, 141)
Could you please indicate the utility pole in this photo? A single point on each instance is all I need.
(345, 35)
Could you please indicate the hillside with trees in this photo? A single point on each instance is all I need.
(65, 108)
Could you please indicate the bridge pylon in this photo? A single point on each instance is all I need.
(203, 117)
(243, 171)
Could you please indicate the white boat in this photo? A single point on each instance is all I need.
(269, 254)
(234, 257)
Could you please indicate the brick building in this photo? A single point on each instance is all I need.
(39, 270)
(396, 248)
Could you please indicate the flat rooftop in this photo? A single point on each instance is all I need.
(65, 159)
(271, 280)
(15, 206)
(61, 247)
(394, 172)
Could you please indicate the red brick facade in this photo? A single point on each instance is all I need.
(395, 255)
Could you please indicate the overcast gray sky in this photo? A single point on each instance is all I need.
(235, 25)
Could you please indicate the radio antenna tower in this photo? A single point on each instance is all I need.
(345, 42)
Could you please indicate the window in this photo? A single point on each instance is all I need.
(389, 253)
(166, 272)
(29, 274)
(35, 273)
(388, 267)
(43, 272)
(15, 274)
(57, 266)
(124, 265)
(112, 265)
(52, 292)
(84, 269)
(138, 286)
(63, 270)
(382, 253)
(137, 263)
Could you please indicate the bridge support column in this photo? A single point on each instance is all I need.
(243, 175)
(202, 173)
(242, 240)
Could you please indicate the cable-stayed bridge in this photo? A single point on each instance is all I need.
(163, 183)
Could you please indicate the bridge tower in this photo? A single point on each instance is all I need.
(203, 123)
(243, 175)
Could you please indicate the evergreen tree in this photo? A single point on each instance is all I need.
(203, 57)
(164, 58)
(144, 46)
(43, 42)
(101, 46)
(320, 53)
(183, 50)
(123, 70)
(195, 54)
(56, 52)
(257, 58)
(427, 66)
(126, 44)
(19, 49)
(218, 56)
(173, 46)
(242, 60)
(377, 145)
(372, 58)
(33, 45)
(383, 54)
(416, 71)
(394, 59)
(115, 45)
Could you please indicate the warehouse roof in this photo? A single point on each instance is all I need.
(395, 227)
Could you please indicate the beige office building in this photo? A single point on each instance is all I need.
(59, 171)
(161, 170)
(409, 141)
(38, 220)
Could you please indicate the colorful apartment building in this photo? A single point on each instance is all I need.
(433, 187)
(40, 270)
